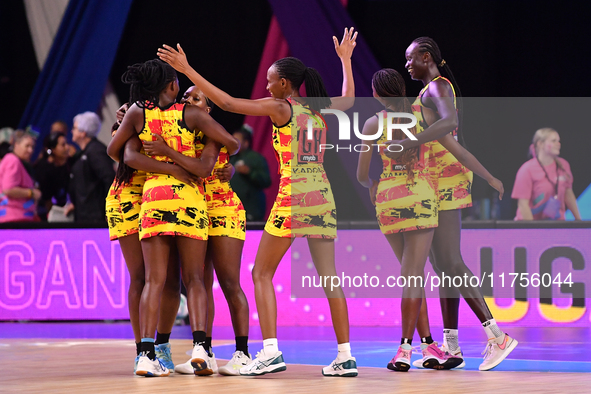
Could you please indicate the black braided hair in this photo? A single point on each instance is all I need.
(388, 83)
(427, 44)
(297, 73)
(147, 80)
(124, 172)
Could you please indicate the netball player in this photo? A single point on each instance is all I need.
(122, 210)
(171, 210)
(289, 113)
(437, 101)
(227, 230)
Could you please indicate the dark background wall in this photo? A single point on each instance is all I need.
(498, 48)
(18, 65)
(495, 48)
(224, 43)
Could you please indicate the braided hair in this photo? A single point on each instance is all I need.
(147, 80)
(427, 44)
(297, 73)
(389, 84)
(124, 172)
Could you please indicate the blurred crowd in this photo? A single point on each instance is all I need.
(68, 182)
(70, 178)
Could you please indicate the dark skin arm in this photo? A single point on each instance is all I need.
(197, 119)
(469, 161)
(131, 123)
(438, 97)
(278, 110)
(135, 159)
(130, 126)
(344, 51)
(200, 166)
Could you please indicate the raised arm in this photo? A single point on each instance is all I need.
(468, 160)
(276, 109)
(344, 51)
(364, 162)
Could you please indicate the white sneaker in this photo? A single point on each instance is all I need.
(238, 360)
(264, 364)
(346, 368)
(494, 353)
(418, 363)
(213, 364)
(457, 353)
(200, 361)
(184, 368)
(149, 368)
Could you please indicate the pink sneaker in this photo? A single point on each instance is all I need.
(435, 358)
(401, 362)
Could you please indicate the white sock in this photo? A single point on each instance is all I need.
(344, 351)
(270, 346)
(450, 339)
(493, 331)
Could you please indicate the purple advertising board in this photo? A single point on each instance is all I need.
(78, 274)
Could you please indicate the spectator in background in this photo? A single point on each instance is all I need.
(18, 194)
(92, 172)
(59, 127)
(52, 172)
(252, 176)
(543, 185)
(5, 140)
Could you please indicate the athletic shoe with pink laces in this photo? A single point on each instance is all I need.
(435, 358)
(401, 362)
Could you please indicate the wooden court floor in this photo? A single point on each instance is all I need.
(105, 366)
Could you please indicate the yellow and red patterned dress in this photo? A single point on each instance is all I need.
(304, 206)
(403, 205)
(455, 180)
(123, 206)
(227, 217)
(169, 206)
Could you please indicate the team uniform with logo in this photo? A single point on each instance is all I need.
(169, 206)
(455, 180)
(403, 204)
(227, 217)
(123, 205)
(304, 206)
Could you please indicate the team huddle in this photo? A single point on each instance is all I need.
(175, 215)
